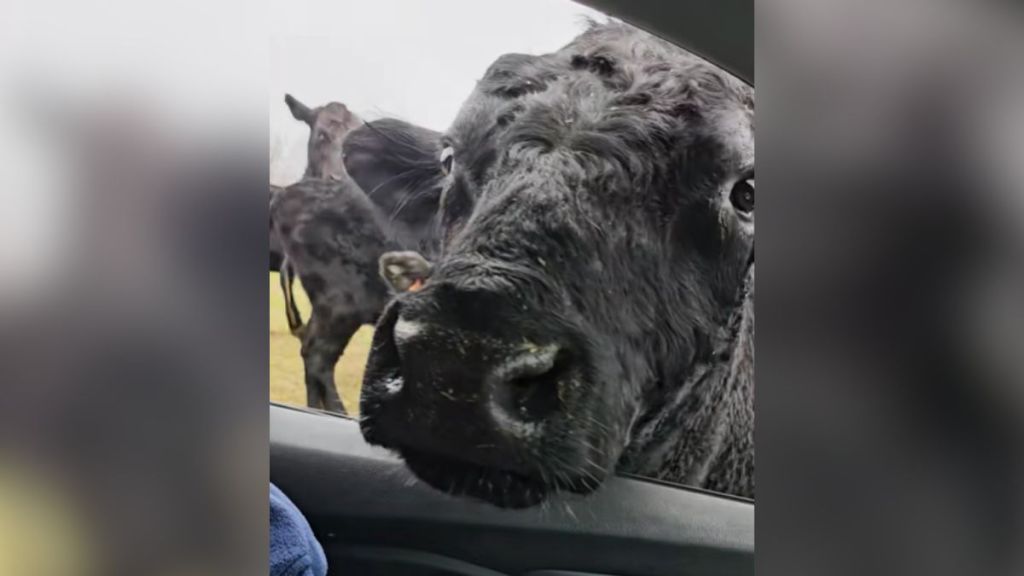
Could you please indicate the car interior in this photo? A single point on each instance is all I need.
(373, 518)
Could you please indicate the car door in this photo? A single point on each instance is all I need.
(372, 517)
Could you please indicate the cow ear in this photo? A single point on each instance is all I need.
(390, 156)
(300, 111)
(404, 270)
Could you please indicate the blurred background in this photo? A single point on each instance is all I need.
(133, 353)
(891, 318)
(136, 141)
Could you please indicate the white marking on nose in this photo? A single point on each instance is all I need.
(512, 425)
(406, 329)
(394, 385)
(535, 360)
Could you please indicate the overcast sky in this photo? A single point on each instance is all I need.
(412, 59)
(193, 66)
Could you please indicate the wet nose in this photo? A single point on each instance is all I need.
(513, 383)
(437, 376)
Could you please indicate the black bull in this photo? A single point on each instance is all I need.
(591, 304)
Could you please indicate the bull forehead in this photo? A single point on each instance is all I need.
(733, 127)
(604, 78)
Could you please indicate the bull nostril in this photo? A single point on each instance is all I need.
(526, 388)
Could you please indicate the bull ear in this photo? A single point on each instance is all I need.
(300, 111)
(394, 158)
(404, 270)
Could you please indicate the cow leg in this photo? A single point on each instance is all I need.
(312, 396)
(319, 355)
(322, 345)
(287, 277)
(340, 337)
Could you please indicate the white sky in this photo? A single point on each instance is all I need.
(198, 63)
(412, 59)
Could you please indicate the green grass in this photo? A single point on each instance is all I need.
(286, 377)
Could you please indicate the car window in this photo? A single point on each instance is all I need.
(516, 241)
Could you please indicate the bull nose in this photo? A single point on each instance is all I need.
(524, 388)
(508, 385)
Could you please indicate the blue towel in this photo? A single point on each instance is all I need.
(294, 550)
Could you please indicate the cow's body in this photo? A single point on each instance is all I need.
(328, 126)
(333, 234)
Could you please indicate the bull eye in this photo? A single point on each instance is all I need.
(603, 66)
(447, 159)
(742, 195)
(322, 137)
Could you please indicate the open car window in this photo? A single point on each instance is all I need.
(515, 243)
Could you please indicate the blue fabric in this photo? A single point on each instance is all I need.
(294, 550)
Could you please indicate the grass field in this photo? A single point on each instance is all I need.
(286, 377)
